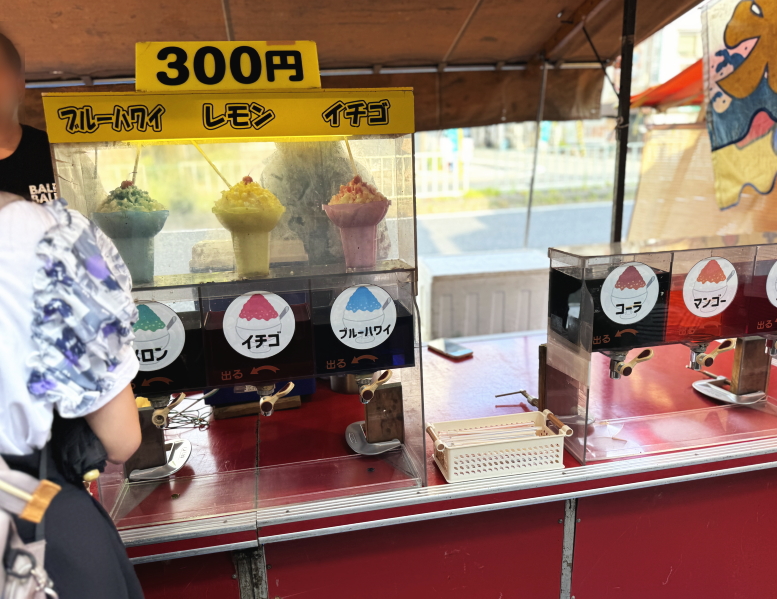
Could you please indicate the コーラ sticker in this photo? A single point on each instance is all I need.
(363, 317)
(159, 336)
(771, 285)
(710, 287)
(259, 325)
(629, 293)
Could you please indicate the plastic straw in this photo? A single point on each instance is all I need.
(134, 170)
(350, 156)
(205, 156)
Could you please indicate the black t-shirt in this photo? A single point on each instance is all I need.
(28, 171)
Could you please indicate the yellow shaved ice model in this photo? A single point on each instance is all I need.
(249, 212)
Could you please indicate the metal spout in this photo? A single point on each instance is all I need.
(701, 359)
(616, 362)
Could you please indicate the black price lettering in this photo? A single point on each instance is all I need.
(219, 65)
(288, 60)
(254, 60)
(179, 64)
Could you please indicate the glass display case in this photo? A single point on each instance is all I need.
(663, 346)
(261, 253)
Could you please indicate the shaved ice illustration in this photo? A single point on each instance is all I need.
(630, 293)
(258, 317)
(710, 287)
(363, 313)
(150, 331)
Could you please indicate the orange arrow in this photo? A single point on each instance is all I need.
(632, 331)
(259, 368)
(156, 379)
(364, 357)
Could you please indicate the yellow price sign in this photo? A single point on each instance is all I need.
(214, 66)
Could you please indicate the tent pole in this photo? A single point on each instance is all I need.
(540, 110)
(622, 128)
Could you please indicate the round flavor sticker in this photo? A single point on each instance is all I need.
(710, 287)
(259, 325)
(771, 285)
(363, 317)
(629, 293)
(159, 336)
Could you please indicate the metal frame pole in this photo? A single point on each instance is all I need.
(622, 128)
(540, 111)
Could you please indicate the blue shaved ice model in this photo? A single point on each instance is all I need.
(362, 299)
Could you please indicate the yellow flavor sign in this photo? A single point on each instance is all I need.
(142, 116)
(201, 66)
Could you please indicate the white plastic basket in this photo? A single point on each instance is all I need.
(487, 459)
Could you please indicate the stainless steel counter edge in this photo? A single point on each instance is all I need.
(177, 531)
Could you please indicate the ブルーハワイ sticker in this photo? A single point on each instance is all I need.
(363, 317)
(159, 336)
(259, 325)
(710, 287)
(629, 293)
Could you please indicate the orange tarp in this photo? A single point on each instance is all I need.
(684, 89)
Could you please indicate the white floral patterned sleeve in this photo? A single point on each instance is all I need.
(83, 317)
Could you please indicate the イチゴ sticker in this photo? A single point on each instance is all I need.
(259, 325)
(363, 317)
(629, 293)
(710, 287)
(159, 336)
(771, 285)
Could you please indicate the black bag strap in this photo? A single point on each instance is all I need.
(43, 468)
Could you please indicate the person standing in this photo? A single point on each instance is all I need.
(66, 316)
(25, 158)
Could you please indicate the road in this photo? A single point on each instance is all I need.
(498, 230)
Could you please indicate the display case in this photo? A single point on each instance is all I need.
(661, 346)
(275, 247)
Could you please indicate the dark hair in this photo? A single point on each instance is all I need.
(10, 53)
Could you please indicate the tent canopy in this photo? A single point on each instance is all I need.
(685, 89)
(472, 62)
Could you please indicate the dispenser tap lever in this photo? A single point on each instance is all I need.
(625, 368)
(367, 392)
(707, 359)
(267, 404)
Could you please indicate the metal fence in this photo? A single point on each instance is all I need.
(452, 175)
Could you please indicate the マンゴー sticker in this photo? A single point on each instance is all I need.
(363, 317)
(259, 325)
(159, 336)
(710, 287)
(629, 293)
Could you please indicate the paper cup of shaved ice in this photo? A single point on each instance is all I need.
(150, 328)
(630, 288)
(356, 210)
(363, 312)
(249, 212)
(710, 283)
(131, 218)
(258, 317)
